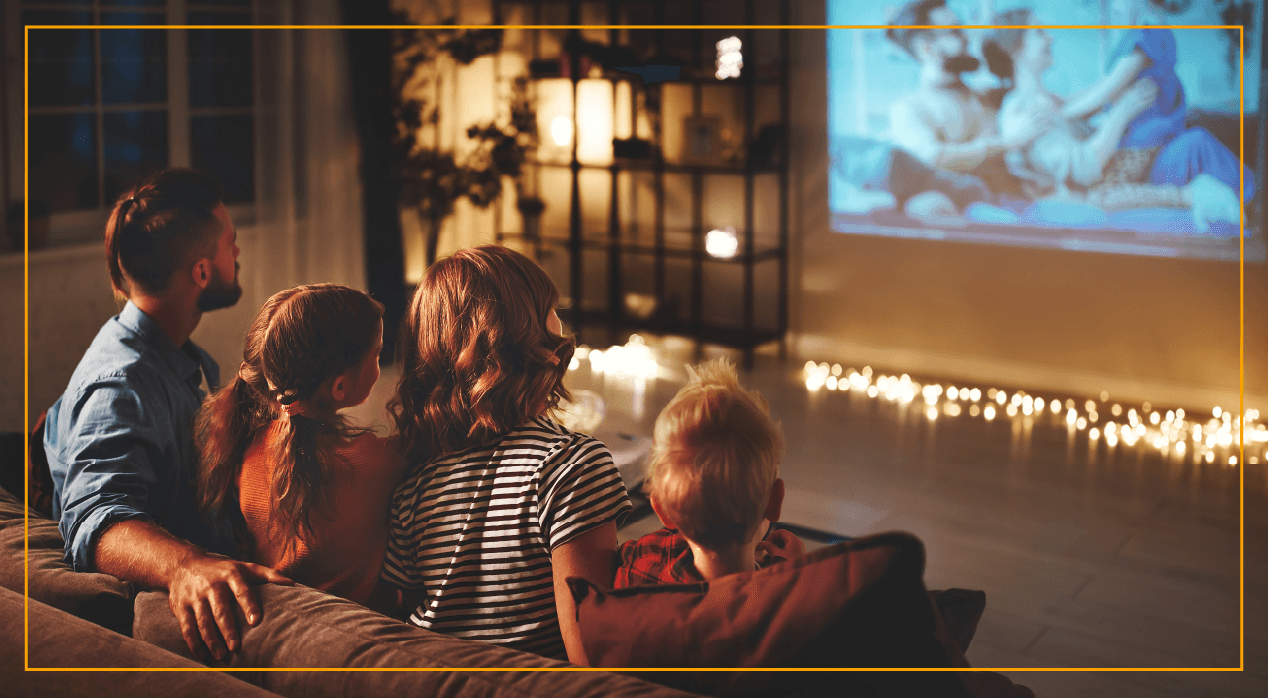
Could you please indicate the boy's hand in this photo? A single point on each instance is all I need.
(781, 545)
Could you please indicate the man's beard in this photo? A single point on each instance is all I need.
(963, 63)
(219, 292)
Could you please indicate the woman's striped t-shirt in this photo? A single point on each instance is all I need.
(475, 531)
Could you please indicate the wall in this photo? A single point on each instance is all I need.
(1142, 328)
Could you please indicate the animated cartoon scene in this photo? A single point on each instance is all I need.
(1105, 139)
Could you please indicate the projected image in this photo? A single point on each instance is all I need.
(1114, 140)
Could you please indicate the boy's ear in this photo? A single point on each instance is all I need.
(337, 390)
(775, 503)
(660, 514)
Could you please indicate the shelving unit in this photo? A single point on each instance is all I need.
(671, 250)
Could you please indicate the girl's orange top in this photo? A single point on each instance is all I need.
(345, 555)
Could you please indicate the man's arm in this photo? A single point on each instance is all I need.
(1108, 88)
(202, 589)
(915, 131)
(105, 457)
(592, 556)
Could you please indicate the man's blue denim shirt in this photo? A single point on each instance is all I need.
(120, 440)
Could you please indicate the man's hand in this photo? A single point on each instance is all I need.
(202, 594)
(782, 545)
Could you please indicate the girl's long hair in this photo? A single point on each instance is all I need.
(300, 338)
(476, 357)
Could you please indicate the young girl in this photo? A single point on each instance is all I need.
(313, 490)
(503, 504)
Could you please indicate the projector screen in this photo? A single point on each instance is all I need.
(1109, 140)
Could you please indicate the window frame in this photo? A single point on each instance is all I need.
(83, 226)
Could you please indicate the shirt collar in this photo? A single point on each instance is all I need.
(180, 361)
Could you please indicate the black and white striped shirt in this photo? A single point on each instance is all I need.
(475, 530)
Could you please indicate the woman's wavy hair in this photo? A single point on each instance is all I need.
(300, 338)
(476, 357)
(165, 222)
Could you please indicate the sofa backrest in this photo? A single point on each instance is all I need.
(304, 628)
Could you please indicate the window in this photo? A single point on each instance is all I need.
(109, 107)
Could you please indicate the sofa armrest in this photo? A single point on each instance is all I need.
(61, 641)
(98, 598)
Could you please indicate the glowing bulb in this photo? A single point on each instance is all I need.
(836, 369)
(932, 413)
(1081, 424)
(1104, 396)
(991, 393)
(1111, 440)
(574, 364)
(1039, 404)
(1210, 457)
(729, 60)
(1011, 410)
(1016, 401)
(1116, 410)
(722, 244)
(1027, 408)
(1111, 428)
(1093, 416)
(1216, 412)
(975, 395)
(1071, 416)
(810, 366)
(953, 393)
(1000, 397)
(814, 381)
(1180, 447)
(1089, 406)
(1171, 415)
(831, 383)
(867, 371)
(561, 130)
(974, 410)
(1069, 404)
(1180, 413)
(1154, 418)
(1232, 460)
(1094, 434)
(1056, 407)
(989, 412)
(872, 391)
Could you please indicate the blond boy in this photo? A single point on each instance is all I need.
(714, 483)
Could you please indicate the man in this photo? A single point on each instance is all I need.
(944, 123)
(120, 440)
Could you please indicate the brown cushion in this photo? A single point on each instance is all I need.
(98, 598)
(59, 640)
(305, 628)
(861, 603)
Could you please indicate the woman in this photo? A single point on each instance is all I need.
(503, 503)
(1073, 161)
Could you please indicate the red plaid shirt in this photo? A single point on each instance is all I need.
(660, 557)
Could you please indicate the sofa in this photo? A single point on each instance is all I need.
(82, 620)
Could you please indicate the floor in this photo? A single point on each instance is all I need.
(1091, 557)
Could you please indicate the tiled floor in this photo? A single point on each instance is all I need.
(1113, 561)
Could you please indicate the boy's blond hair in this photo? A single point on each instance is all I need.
(715, 458)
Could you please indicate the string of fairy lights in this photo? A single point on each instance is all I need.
(1202, 438)
(1173, 433)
